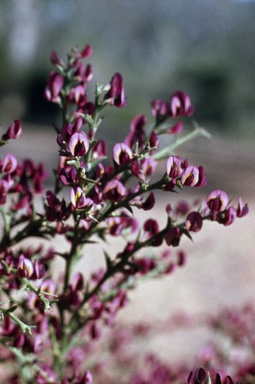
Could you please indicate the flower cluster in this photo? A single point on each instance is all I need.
(49, 320)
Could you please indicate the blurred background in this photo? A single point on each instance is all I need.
(204, 47)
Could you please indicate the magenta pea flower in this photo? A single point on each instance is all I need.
(190, 176)
(4, 187)
(194, 222)
(117, 224)
(115, 95)
(77, 282)
(242, 210)
(202, 180)
(78, 198)
(114, 190)
(173, 236)
(174, 167)
(151, 230)
(227, 217)
(217, 200)
(25, 267)
(160, 109)
(9, 163)
(122, 154)
(176, 128)
(151, 227)
(86, 52)
(153, 141)
(136, 134)
(79, 144)
(180, 105)
(146, 167)
(77, 93)
(198, 376)
(54, 85)
(14, 131)
(55, 60)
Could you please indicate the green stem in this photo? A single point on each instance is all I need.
(165, 152)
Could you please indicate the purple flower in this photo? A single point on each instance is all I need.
(217, 200)
(194, 222)
(117, 224)
(176, 129)
(198, 376)
(114, 190)
(180, 105)
(13, 132)
(9, 164)
(160, 109)
(173, 236)
(79, 144)
(227, 217)
(174, 167)
(190, 176)
(55, 60)
(122, 154)
(78, 198)
(146, 167)
(54, 85)
(153, 141)
(25, 267)
(4, 187)
(241, 210)
(136, 134)
(85, 52)
(115, 95)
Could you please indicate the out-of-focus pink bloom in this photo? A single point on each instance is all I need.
(146, 167)
(85, 52)
(77, 282)
(217, 200)
(194, 222)
(160, 109)
(79, 144)
(241, 210)
(227, 217)
(202, 177)
(151, 227)
(54, 85)
(77, 93)
(117, 224)
(153, 141)
(4, 187)
(55, 60)
(136, 134)
(114, 190)
(198, 376)
(68, 175)
(122, 154)
(14, 131)
(173, 236)
(115, 95)
(9, 163)
(99, 150)
(176, 129)
(180, 105)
